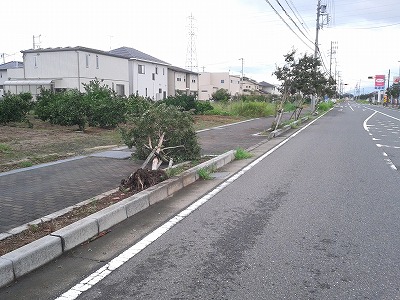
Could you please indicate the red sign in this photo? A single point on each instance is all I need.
(379, 81)
(396, 80)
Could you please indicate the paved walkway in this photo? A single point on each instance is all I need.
(29, 194)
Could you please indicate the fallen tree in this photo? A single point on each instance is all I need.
(161, 134)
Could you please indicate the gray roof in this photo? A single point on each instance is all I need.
(77, 48)
(177, 69)
(12, 65)
(136, 54)
(266, 84)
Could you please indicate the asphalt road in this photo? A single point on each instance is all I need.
(316, 218)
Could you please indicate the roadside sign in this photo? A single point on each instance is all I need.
(379, 82)
(396, 80)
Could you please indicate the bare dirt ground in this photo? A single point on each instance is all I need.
(23, 146)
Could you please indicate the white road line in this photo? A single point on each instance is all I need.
(118, 261)
(366, 120)
(384, 114)
(351, 108)
(387, 146)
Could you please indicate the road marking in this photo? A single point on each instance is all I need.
(118, 261)
(351, 108)
(387, 146)
(366, 120)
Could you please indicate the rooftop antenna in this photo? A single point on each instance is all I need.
(191, 54)
(36, 41)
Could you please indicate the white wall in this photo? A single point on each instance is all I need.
(145, 84)
(72, 68)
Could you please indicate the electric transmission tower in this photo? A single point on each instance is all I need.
(191, 54)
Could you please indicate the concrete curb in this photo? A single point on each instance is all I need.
(285, 128)
(29, 257)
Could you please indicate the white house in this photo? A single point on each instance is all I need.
(69, 68)
(147, 75)
(182, 81)
(209, 83)
(268, 88)
(12, 69)
(125, 70)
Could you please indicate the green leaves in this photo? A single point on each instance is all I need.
(14, 108)
(180, 141)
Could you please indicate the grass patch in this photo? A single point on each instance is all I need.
(5, 149)
(205, 173)
(25, 164)
(325, 106)
(289, 106)
(244, 109)
(242, 154)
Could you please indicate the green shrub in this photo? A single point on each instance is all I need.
(188, 103)
(204, 173)
(157, 119)
(65, 108)
(104, 108)
(325, 106)
(202, 107)
(45, 105)
(15, 107)
(137, 105)
(185, 102)
(242, 154)
(221, 95)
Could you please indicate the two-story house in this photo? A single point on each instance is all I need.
(209, 83)
(182, 81)
(147, 75)
(125, 70)
(12, 69)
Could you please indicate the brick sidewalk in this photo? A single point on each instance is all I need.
(31, 194)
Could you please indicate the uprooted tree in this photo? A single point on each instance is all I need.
(161, 134)
(301, 78)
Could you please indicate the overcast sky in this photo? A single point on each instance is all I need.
(367, 32)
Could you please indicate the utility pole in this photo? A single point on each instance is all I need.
(316, 48)
(321, 11)
(241, 79)
(332, 53)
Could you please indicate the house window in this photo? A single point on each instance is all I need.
(146, 93)
(179, 79)
(160, 91)
(163, 71)
(141, 69)
(153, 76)
(87, 60)
(222, 81)
(97, 61)
(156, 70)
(35, 61)
(120, 89)
(193, 80)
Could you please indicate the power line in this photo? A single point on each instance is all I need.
(283, 20)
(290, 18)
(297, 15)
